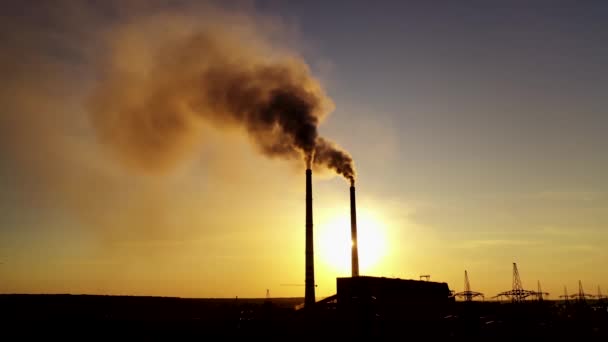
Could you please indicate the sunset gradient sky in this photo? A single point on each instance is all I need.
(478, 130)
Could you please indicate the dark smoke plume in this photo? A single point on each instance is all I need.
(327, 154)
(161, 81)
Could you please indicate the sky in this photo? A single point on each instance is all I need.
(477, 130)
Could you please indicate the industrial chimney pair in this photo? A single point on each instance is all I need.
(309, 296)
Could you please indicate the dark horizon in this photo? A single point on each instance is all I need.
(158, 148)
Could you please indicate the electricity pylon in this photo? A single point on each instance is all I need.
(581, 295)
(540, 293)
(517, 293)
(467, 294)
(565, 295)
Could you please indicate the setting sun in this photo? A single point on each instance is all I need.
(335, 242)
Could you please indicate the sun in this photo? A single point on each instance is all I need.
(335, 242)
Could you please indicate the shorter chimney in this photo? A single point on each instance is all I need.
(353, 233)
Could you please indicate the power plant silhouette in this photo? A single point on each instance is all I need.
(363, 306)
(419, 291)
(357, 293)
(369, 306)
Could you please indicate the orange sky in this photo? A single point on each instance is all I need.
(463, 162)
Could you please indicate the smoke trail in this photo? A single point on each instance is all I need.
(161, 81)
(329, 155)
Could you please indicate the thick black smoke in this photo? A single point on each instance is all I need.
(160, 81)
(327, 154)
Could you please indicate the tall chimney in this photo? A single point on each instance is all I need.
(353, 233)
(309, 297)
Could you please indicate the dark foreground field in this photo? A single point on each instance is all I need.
(141, 317)
(85, 317)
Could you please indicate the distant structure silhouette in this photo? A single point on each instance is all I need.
(565, 295)
(517, 293)
(581, 295)
(467, 294)
(540, 293)
(425, 277)
(599, 293)
(369, 302)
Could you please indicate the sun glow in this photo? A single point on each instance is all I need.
(335, 242)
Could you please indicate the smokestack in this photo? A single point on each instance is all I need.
(353, 233)
(309, 297)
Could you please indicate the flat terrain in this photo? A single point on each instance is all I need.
(152, 318)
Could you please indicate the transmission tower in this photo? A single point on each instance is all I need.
(467, 294)
(540, 293)
(599, 293)
(267, 301)
(581, 295)
(517, 293)
(565, 295)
